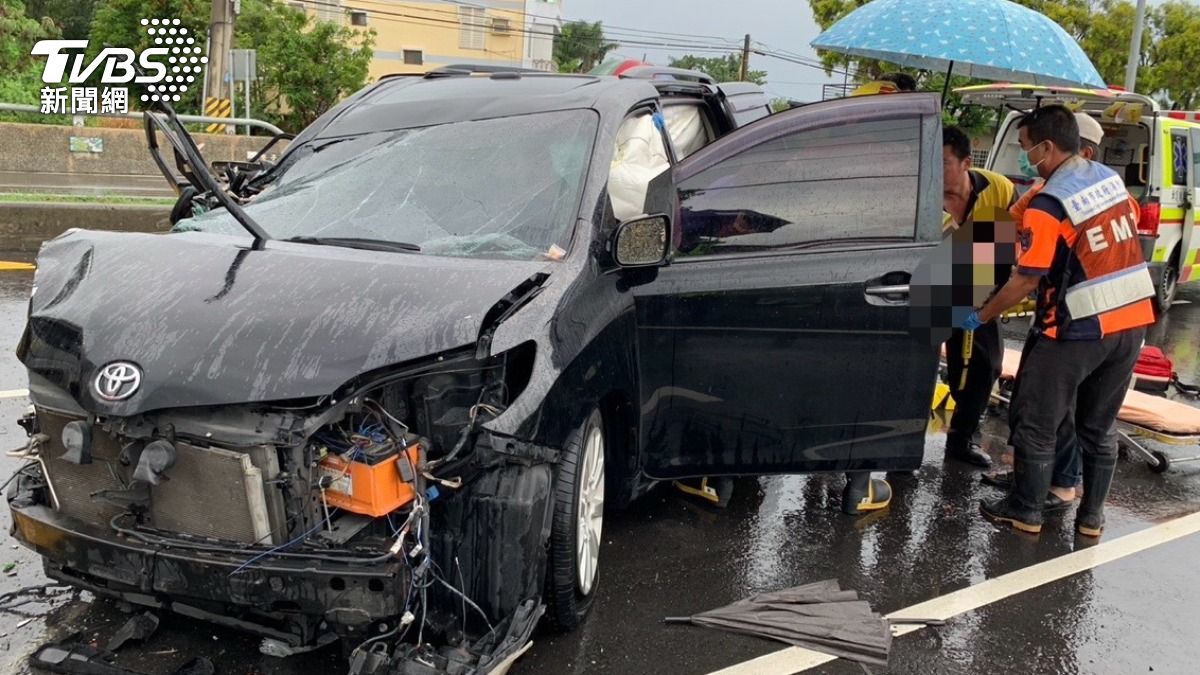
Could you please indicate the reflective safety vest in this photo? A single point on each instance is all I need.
(1105, 275)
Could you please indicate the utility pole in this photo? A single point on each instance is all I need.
(1135, 47)
(745, 74)
(217, 96)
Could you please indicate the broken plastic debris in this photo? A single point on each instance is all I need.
(137, 629)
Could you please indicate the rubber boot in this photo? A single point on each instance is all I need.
(1022, 508)
(1097, 479)
(864, 494)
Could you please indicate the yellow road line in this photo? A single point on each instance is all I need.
(10, 266)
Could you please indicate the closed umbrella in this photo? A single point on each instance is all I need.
(985, 39)
(819, 615)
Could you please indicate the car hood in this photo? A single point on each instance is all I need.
(210, 322)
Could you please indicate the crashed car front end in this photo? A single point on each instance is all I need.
(306, 522)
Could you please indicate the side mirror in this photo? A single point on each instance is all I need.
(642, 242)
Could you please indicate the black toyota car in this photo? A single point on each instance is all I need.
(383, 389)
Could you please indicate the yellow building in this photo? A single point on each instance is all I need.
(415, 37)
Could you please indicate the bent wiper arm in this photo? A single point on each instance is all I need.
(208, 181)
(357, 242)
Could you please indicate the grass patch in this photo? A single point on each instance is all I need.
(14, 197)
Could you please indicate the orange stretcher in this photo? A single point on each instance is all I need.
(1142, 417)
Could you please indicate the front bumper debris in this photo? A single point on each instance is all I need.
(294, 600)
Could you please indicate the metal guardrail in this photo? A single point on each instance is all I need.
(198, 119)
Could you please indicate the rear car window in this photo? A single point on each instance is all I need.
(845, 182)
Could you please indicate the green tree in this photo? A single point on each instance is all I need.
(1170, 64)
(720, 68)
(580, 45)
(117, 23)
(304, 66)
(73, 17)
(20, 72)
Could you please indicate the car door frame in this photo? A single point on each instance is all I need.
(927, 232)
(1188, 244)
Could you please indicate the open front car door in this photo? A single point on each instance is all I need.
(777, 340)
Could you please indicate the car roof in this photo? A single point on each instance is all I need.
(401, 102)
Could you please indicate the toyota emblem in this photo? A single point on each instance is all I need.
(118, 381)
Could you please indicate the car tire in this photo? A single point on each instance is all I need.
(1167, 284)
(572, 571)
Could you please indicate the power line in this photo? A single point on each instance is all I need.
(645, 44)
(607, 27)
(614, 32)
(455, 24)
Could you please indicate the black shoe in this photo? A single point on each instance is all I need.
(1004, 480)
(864, 494)
(1022, 508)
(1000, 479)
(1008, 512)
(1097, 479)
(971, 453)
(1056, 503)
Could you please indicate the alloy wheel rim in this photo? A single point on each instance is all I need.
(590, 510)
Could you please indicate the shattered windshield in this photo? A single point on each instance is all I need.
(500, 188)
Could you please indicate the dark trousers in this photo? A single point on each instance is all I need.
(1083, 381)
(1068, 471)
(970, 401)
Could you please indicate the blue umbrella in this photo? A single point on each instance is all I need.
(986, 39)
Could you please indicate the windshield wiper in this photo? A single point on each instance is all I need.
(358, 242)
(187, 147)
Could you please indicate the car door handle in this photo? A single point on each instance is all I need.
(891, 292)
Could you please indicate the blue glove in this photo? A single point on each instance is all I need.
(972, 322)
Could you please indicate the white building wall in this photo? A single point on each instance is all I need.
(543, 19)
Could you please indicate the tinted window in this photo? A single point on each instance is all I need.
(852, 181)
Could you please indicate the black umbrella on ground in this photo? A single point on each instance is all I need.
(820, 616)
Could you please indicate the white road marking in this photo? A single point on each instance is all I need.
(797, 659)
(14, 393)
(790, 660)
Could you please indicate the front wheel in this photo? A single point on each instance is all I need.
(1167, 285)
(574, 561)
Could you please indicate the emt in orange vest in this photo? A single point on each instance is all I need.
(1067, 479)
(1080, 251)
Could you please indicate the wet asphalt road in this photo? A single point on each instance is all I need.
(666, 556)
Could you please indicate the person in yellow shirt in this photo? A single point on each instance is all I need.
(976, 203)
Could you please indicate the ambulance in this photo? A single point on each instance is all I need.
(1157, 152)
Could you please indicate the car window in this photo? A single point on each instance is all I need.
(1179, 158)
(640, 157)
(687, 127)
(844, 182)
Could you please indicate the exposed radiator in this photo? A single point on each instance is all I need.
(210, 492)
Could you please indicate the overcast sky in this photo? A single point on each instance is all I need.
(782, 24)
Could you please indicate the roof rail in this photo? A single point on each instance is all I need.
(486, 68)
(667, 73)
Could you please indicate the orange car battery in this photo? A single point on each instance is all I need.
(374, 483)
